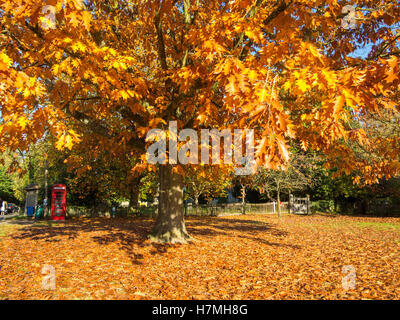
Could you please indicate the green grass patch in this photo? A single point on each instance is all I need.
(340, 224)
(48, 223)
(20, 217)
(6, 229)
(379, 225)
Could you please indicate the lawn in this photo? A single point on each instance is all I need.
(235, 257)
(6, 228)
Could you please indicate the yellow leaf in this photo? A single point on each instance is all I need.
(338, 104)
(302, 85)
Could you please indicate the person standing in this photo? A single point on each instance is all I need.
(3, 208)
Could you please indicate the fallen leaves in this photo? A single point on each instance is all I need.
(237, 257)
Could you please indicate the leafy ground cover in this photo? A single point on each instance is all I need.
(235, 257)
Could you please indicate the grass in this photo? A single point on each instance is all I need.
(379, 225)
(11, 225)
(340, 222)
(20, 217)
(3, 230)
(6, 229)
(375, 225)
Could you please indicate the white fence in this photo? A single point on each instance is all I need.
(235, 209)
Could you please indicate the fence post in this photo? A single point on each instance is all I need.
(274, 207)
(308, 204)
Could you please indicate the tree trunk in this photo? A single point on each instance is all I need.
(279, 203)
(196, 203)
(170, 224)
(364, 207)
(243, 199)
(134, 195)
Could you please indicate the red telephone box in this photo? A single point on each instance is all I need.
(58, 202)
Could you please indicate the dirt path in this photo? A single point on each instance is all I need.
(7, 216)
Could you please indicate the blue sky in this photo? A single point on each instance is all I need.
(362, 52)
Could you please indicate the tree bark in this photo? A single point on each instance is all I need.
(134, 193)
(279, 203)
(196, 203)
(170, 224)
(134, 198)
(243, 199)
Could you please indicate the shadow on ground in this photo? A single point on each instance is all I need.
(130, 234)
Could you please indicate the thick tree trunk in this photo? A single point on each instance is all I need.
(170, 224)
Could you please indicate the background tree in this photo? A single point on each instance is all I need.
(6, 186)
(149, 186)
(209, 182)
(244, 183)
(297, 177)
(98, 175)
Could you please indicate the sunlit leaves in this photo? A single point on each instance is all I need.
(283, 68)
(287, 258)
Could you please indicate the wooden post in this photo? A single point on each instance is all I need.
(308, 204)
